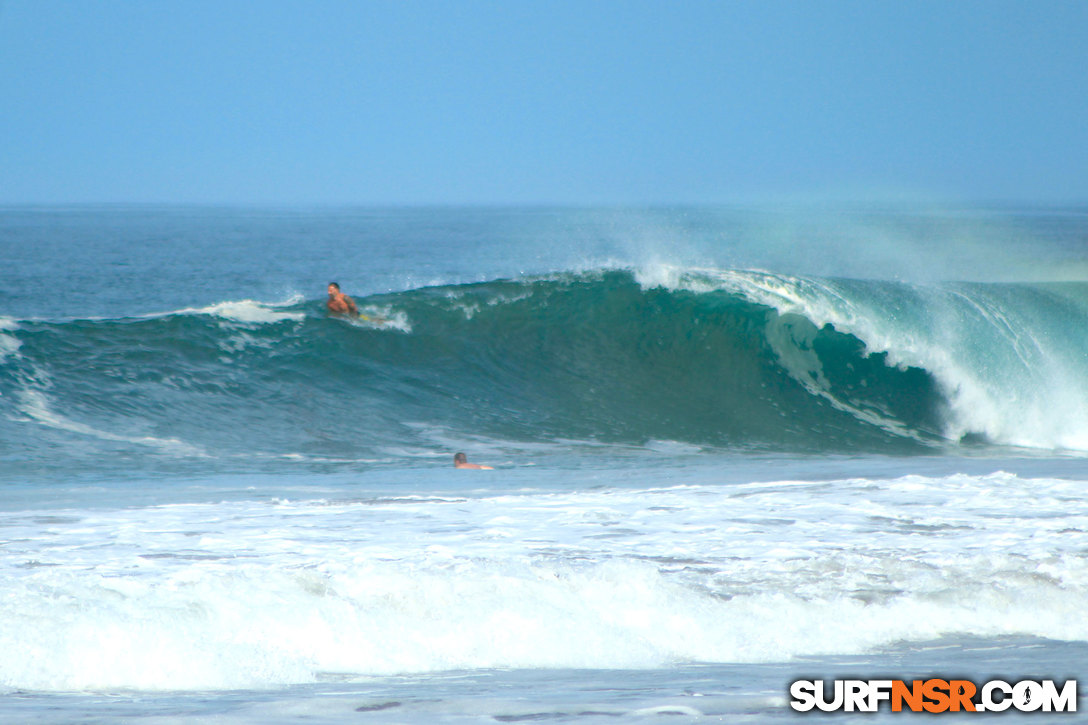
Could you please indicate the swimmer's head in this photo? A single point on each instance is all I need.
(460, 458)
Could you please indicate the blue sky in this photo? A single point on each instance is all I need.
(593, 101)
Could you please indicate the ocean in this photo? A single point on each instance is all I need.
(733, 447)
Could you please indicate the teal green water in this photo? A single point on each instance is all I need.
(732, 447)
(750, 362)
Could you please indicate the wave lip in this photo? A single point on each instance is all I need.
(249, 311)
(9, 345)
(1010, 360)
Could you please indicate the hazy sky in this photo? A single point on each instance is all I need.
(590, 101)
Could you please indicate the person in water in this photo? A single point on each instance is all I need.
(461, 461)
(339, 303)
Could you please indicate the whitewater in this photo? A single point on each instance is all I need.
(732, 448)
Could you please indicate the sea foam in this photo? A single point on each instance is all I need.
(250, 594)
(1009, 359)
(250, 311)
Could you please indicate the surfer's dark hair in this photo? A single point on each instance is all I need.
(334, 284)
(459, 458)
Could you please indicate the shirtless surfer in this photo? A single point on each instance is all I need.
(339, 303)
(460, 460)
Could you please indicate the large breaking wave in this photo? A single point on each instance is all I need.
(722, 358)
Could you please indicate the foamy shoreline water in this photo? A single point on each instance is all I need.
(272, 593)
